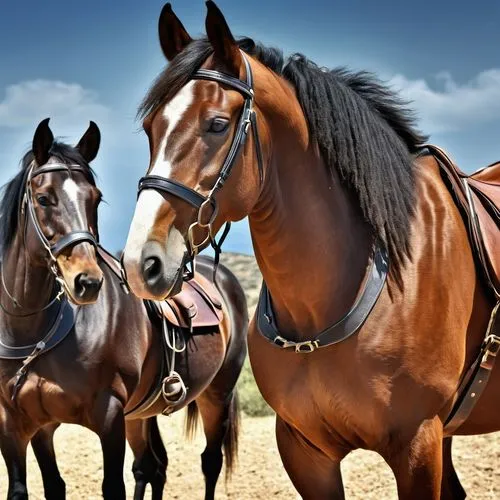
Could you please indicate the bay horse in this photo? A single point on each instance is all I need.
(359, 241)
(74, 348)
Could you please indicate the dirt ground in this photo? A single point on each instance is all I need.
(259, 473)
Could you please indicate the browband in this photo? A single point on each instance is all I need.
(217, 76)
(56, 167)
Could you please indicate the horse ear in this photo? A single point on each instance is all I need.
(173, 36)
(90, 142)
(42, 142)
(226, 49)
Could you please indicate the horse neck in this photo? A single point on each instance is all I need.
(32, 286)
(310, 240)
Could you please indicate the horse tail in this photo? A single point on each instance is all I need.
(191, 420)
(230, 442)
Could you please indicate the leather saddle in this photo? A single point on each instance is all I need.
(478, 197)
(197, 305)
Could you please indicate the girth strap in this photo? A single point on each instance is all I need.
(343, 328)
(477, 376)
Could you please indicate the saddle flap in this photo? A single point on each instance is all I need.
(197, 305)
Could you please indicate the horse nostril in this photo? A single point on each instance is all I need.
(152, 270)
(86, 285)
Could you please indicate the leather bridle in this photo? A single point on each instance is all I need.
(200, 202)
(70, 239)
(55, 249)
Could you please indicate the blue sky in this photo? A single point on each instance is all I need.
(94, 60)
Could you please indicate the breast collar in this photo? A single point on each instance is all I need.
(342, 329)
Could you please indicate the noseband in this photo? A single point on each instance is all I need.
(247, 119)
(53, 250)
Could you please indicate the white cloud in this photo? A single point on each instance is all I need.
(453, 107)
(26, 103)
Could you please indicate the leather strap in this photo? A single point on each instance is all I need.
(57, 167)
(216, 76)
(342, 329)
(154, 393)
(460, 189)
(64, 321)
(72, 239)
(476, 378)
(170, 186)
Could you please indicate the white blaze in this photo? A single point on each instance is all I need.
(150, 202)
(173, 113)
(70, 187)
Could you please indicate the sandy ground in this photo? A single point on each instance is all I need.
(258, 474)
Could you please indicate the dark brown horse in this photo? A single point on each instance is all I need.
(93, 354)
(356, 236)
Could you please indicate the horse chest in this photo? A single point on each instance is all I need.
(314, 402)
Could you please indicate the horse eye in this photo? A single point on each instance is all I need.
(43, 200)
(218, 125)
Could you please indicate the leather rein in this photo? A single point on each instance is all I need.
(64, 312)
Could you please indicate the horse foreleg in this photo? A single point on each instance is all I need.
(418, 465)
(150, 457)
(13, 443)
(109, 425)
(451, 488)
(43, 446)
(314, 475)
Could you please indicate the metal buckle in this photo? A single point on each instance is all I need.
(194, 247)
(248, 120)
(308, 346)
(491, 346)
(215, 210)
(300, 347)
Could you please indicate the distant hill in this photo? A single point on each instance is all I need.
(246, 270)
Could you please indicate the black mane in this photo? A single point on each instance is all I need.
(363, 130)
(13, 191)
